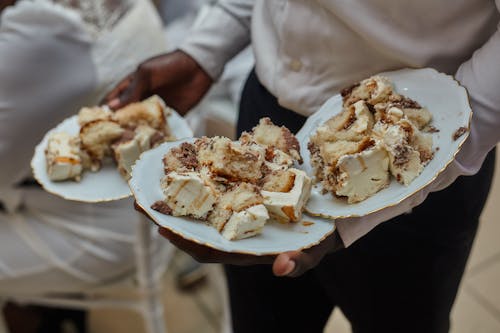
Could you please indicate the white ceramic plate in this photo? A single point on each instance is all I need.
(449, 105)
(275, 237)
(105, 185)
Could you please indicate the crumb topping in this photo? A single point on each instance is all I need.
(406, 103)
(347, 91)
(162, 207)
(459, 132)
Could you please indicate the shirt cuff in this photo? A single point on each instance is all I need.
(215, 39)
(353, 228)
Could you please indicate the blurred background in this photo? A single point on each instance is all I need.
(194, 296)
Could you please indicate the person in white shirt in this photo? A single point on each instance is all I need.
(397, 276)
(55, 57)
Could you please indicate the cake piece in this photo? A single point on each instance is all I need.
(148, 137)
(126, 153)
(187, 195)
(359, 176)
(86, 115)
(417, 114)
(422, 142)
(183, 158)
(231, 160)
(132, 144)
(237, 198)
(385, 113)
(373, 90)
(285, 194)
(325, 157)
(63, 157)
(404, 160)
(278, 181)
(246, 223)
(352, 124)
(96, 138)
(275, 159)
(270, 135)
(239, 212)
(151, 112)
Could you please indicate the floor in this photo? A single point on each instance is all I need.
(199, 310)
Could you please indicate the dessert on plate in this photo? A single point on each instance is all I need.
(63, 157)
(378, 133)
(121, 135)
(236, 186)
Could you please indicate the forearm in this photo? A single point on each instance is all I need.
(219, 35)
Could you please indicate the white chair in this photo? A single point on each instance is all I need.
(145, 285)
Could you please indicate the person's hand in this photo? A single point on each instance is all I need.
(175, 76)
(296, 263)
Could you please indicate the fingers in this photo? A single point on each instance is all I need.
(296, 263)
(205, 254)
(129, 90)
(283, 265)
(112, 97)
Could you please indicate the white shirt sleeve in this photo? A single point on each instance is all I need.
(220, 34)
(46, 72)
(480, 75)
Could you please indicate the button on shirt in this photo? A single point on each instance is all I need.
(307, 50)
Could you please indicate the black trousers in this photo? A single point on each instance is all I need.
(402, 277)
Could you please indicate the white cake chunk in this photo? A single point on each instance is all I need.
(126, 153)
(362, 174)
(151, 111)
(87, 115)
(404, 160)
(353, 124)
(406, 172)
(188, 195)
(246, 223)
(372, 90)
(62, 157)
(287, 206)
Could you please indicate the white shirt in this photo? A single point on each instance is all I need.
(306, 51)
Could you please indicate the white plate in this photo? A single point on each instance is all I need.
(449, 105)
(275, 237)
(105, 185)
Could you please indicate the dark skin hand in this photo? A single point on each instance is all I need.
(5, 3)
(291, 264)
(175, 77)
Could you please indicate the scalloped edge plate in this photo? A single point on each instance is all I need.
(449, 105)
(274, 239)
(105, 185)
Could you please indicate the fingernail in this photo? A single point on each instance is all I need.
(113, 103)
(290, 266)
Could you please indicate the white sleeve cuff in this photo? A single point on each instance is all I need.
(352, 229)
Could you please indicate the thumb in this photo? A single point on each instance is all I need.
(284, 264)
